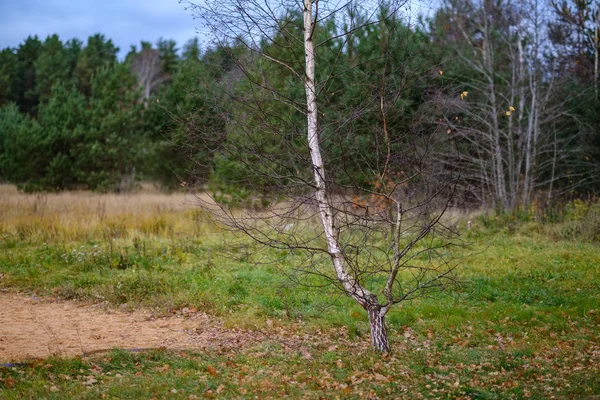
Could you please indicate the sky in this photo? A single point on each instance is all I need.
(126, 22)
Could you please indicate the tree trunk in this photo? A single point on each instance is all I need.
(596, 47)
(496, 147)
(379, 335)
(362, 296)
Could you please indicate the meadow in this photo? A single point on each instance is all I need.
(524, 324)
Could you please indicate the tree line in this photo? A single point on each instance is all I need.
(73, 116)
(508, 89)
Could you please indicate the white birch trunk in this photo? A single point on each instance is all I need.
(366, 299)
(596, 46)
(496, 150)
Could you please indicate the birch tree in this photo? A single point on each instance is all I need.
(148, 69)
(507, 111)
(342, 185)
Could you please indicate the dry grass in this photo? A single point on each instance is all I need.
(80, 215)
(84, 216)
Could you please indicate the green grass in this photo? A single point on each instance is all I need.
(525, 324)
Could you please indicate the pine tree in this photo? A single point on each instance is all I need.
(51, 67)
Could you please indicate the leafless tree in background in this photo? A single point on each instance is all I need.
(351, 191)
(147, 67)
(507, 112)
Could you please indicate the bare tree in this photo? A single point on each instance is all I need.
(147, 67)
(507, 111)
(576, 32)
(343, 180)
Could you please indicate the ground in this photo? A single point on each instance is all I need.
(141, 296)
(34, 328)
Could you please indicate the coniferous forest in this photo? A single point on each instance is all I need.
(514, 87)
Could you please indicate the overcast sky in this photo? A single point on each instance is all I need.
(126, 22)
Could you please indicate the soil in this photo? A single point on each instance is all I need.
(31, 328)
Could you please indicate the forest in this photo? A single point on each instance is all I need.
(513, 86)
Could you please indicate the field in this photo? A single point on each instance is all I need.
(525, 324)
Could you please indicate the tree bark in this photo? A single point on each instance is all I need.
(379, 335)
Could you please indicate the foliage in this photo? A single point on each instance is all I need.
(83, 124)
(16, 133)
(75, 143)
(51, 67)
(99, 53)
(23, 82)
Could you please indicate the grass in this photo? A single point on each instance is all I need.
(525, 325)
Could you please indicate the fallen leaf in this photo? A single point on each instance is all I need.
(380, 378)
(90, 380)
(164, 368)
(306, 354)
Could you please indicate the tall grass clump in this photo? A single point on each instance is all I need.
(577, 219)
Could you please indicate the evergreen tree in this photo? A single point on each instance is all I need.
(172, 122)
(114, 143)
(191, 50)
(19, 136)
(98, 53)
(8, 64)
(168, 55)
(23, 84)
(51, 67)
(73, 49)
(64, 124)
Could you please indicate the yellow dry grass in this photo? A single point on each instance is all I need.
(86, 216)
(81, 215)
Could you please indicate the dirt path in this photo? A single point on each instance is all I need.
(38, 328)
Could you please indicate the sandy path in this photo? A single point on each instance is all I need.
(38, 328)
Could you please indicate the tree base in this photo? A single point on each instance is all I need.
(379, 335)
